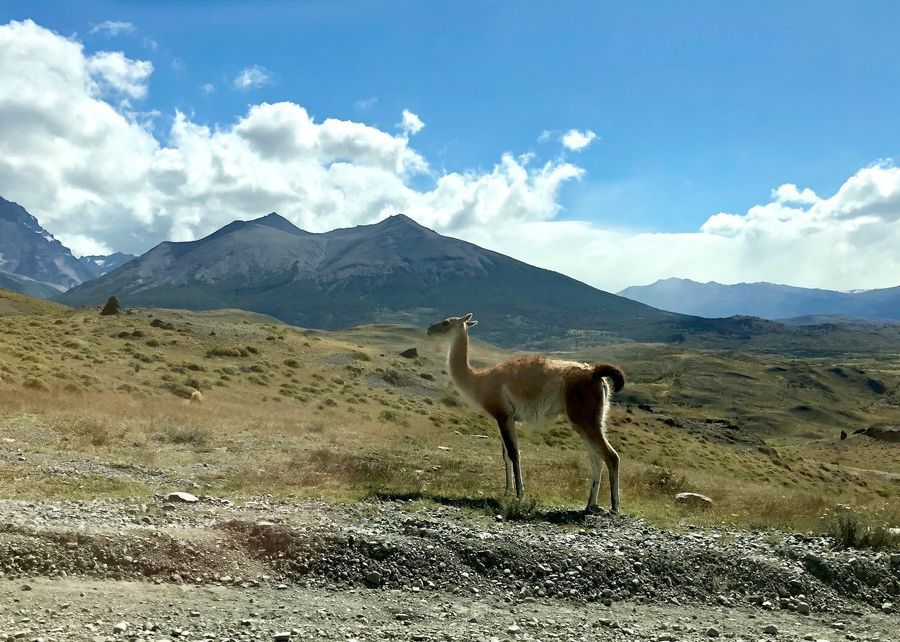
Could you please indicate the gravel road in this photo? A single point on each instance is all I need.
(265, 569)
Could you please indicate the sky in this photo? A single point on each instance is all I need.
(618, 143)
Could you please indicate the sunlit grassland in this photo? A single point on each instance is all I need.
(97, 407)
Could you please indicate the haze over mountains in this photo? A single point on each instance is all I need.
(766, 300)
(35, 263)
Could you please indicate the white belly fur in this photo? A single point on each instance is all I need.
(540, 410)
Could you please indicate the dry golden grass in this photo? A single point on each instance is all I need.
(342, 416)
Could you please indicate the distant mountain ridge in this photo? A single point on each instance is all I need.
(33, 262)
(766, 300)
(394, 270)
(100, 264)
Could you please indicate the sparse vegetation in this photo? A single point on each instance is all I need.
(852, 529)
(69, 386)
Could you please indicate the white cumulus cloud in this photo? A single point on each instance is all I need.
(102, 178)
(411, 123)
(576, 140)
(251, 77)
(112, 28)
(788, 193)
(86, 168)
(120, 74)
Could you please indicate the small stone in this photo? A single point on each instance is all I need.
(712, 632)
(693, 499)
(282, 635)
(26, 587)
(410, 353)
(771, 629)
(803, 608)
(182, 497)
(373, 578)
(513, 628)
(121, 627)
(887, 607)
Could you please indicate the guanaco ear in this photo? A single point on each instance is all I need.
(469, 324)
(467, 317)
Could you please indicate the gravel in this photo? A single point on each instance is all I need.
(397, 570)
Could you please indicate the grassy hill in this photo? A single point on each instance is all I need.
(98, 406)
(13, 303)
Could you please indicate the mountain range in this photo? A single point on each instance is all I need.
(35, 263)
(767, 301)
(392, 271)
(399, 271)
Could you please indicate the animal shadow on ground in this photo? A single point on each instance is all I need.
(510, 509)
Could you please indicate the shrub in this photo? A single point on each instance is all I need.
(292, 363)
(221, 351)
(393, 377)
(181, 390)
(187, 436)
(359, 355)
(852, 530)
(35, 384)
(513, 509)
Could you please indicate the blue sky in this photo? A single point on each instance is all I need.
(699, 107)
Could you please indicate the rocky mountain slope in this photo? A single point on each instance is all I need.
(395, 270)
(766, 300)
(31, 260)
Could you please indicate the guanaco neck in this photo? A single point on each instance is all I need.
(458, 360)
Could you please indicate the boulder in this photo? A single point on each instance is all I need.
(410, 353)
(112, 307)
(693, 499)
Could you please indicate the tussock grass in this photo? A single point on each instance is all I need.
(854, 529)
(312, 415)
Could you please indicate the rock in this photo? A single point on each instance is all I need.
(693, 499)
(410, 353)
(283, 635)
(771, 629)
(26, 587)
(887, 607)
(182, 497)
(112, 307)
(843, 435)
(121, 627)
(712, 632)
(803, 608)
(513, 628)
(427, 376)
(373, 578)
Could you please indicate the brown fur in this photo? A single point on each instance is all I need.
(534, 388)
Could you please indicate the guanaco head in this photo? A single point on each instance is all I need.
(451, 326)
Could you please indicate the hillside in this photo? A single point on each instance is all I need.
(767, 300)
(395, 270)
(341, 413)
